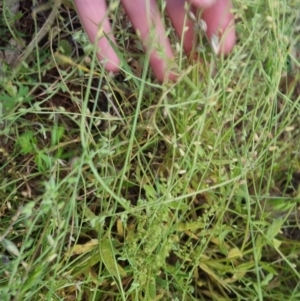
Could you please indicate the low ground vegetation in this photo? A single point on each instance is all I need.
(120, 188)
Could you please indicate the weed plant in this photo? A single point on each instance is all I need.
(121, 188)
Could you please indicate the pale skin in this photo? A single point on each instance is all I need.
(146, 20)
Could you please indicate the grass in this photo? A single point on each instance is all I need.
(119, 188)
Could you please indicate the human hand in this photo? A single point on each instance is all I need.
(145, 16)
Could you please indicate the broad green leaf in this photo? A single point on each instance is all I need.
(190, 226)
(267, 279)
(151, 289)
(10, 247)
(234, 253)
(107, 256)
(84, 248)
(212, 274)
(274, 228)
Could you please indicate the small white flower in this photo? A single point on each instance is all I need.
(192, 16)
(215, 43)
(202, 25)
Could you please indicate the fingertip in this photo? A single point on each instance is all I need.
(162, 70)
(111, 67)
(110, 61)
(220, 23)
(165, 76)
(94, 19)
(228, 43)
(146, 19)
(203, 3)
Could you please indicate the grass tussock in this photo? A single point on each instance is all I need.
(119, 188)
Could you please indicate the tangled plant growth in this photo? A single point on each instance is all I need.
(119, 188)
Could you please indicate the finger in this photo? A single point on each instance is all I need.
(93, 15)
(218, 19)
(220, 22)
(202, 3)
(146, 19)
(183, 26)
